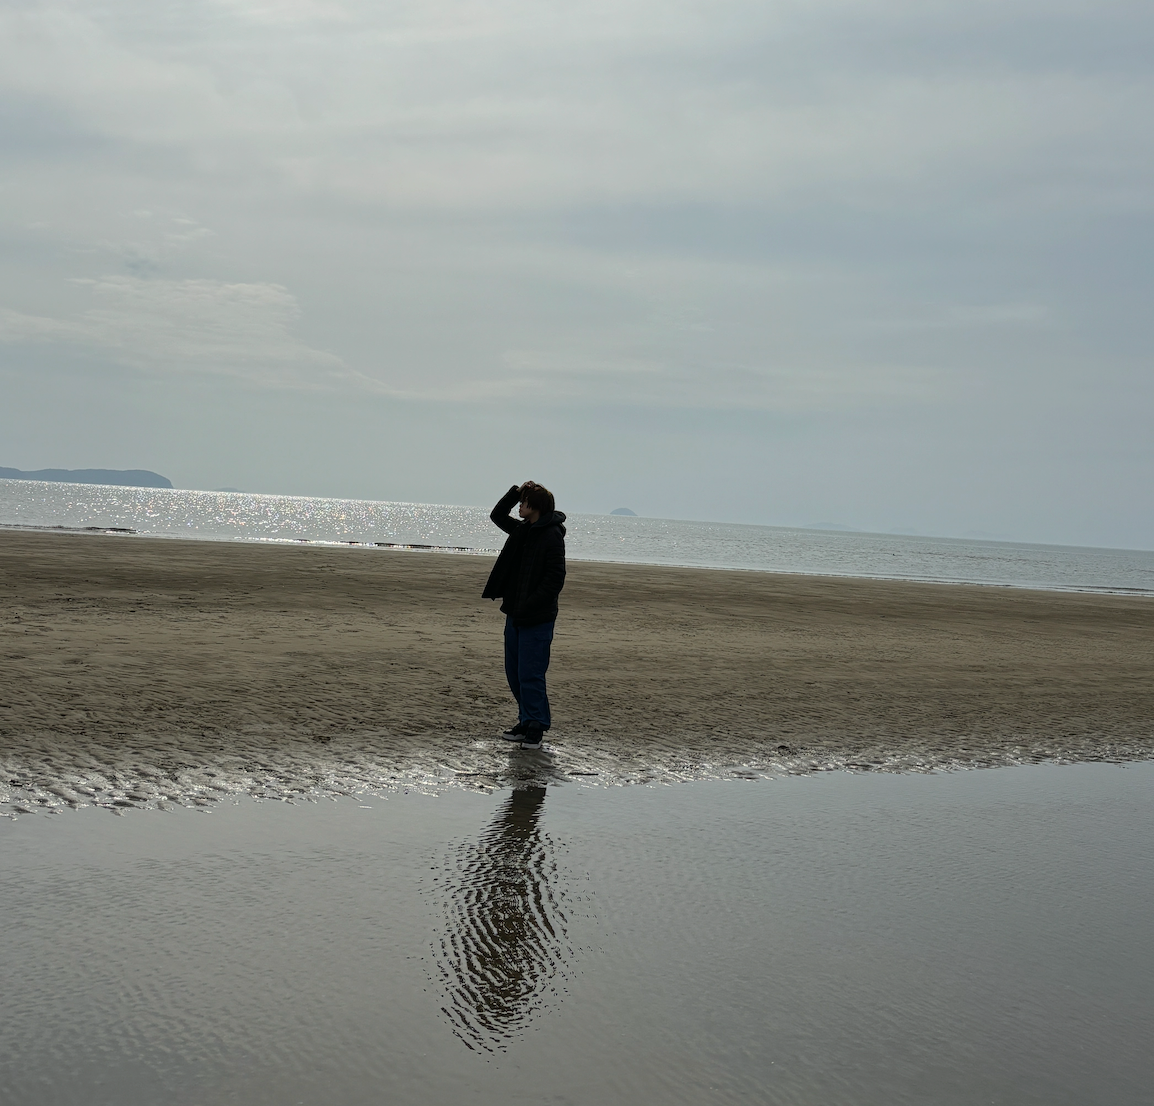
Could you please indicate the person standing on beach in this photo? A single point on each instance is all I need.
(528, 577)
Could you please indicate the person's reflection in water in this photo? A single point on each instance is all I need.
(505, 944)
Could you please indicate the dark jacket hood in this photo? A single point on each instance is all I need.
(557, 518)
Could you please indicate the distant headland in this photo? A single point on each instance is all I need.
(125, 478)
(624, 511)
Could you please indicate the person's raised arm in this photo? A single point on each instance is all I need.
(500, 513)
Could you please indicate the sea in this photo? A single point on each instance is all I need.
(244, 516)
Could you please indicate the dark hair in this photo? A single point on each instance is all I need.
(537, 497)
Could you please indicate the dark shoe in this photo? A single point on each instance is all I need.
(531, 739)
(516, 731)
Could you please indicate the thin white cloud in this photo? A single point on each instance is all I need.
(966, 316)
(204, 326)
(782, 388)
(508, 104)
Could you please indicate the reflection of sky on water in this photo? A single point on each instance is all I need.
(842, 940)
(505, 943)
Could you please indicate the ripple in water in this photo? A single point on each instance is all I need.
(504, 950)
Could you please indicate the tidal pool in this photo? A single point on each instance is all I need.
(970, 937)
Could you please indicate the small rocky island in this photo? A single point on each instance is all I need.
(624, 511)
(124, 478)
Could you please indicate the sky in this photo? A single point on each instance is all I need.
(878, 263)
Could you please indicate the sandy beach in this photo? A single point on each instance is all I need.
(195, 649)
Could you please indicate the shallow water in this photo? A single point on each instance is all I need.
(955, 938)
(243, 516)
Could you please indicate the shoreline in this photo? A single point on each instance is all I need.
(477, 551)
(158, 672)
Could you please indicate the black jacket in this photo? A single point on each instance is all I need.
(530, 572)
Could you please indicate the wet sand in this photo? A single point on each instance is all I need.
(191, 648)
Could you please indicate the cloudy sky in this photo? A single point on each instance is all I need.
(883, 263)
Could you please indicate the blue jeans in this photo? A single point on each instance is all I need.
(526, 659)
